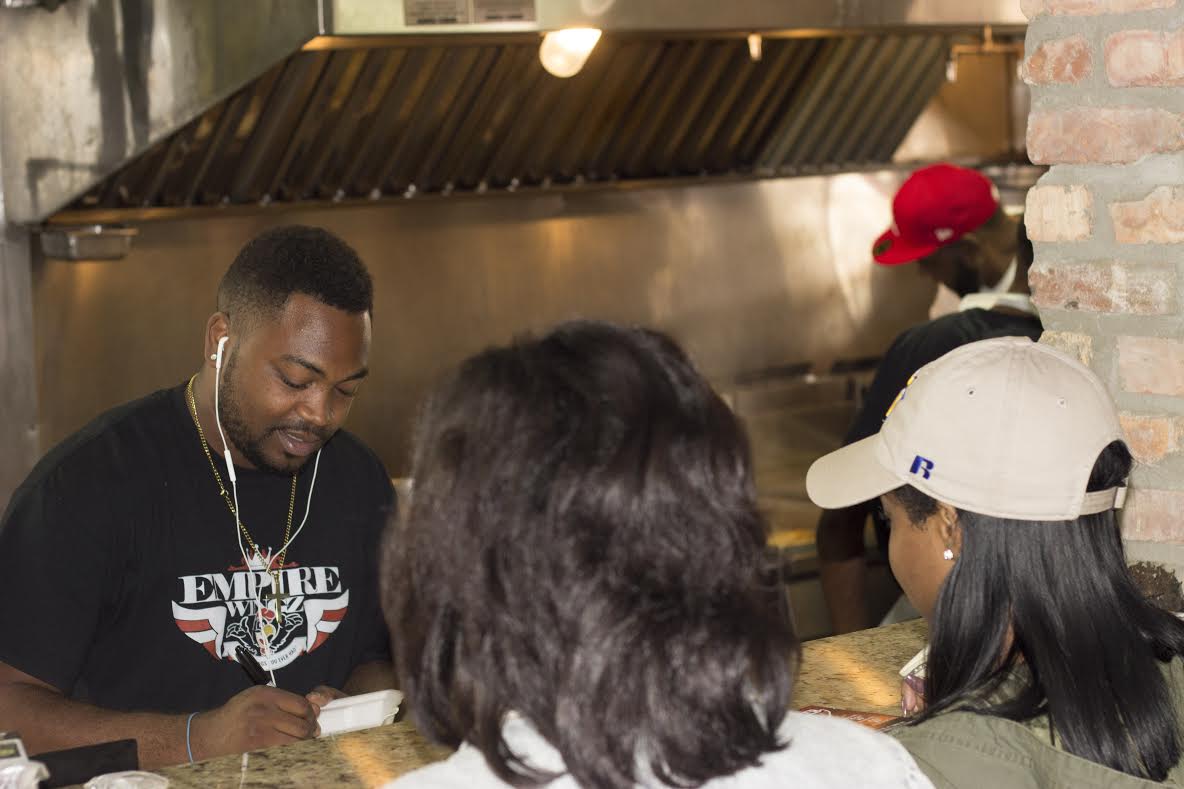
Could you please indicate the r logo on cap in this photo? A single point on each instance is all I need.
(922, 466)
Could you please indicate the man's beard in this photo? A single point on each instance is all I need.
(239, 434)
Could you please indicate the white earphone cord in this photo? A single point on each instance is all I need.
(238, 530)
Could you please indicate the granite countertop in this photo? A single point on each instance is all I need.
(857, 671)
(366, 758)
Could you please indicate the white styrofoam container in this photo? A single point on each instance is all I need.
(359, 712)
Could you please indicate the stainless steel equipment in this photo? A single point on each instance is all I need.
(428, 107)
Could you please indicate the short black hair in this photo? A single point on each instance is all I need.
(583, 547)
(294, 259)
(1056, 598)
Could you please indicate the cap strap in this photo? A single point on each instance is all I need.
(1103, 500)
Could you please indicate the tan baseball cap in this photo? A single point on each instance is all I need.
(1003, 427)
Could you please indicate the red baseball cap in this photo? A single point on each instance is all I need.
(936, 206)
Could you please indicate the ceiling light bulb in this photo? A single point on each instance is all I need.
(756, 46)
(564, 52)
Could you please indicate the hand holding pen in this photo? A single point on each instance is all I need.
(258, 717)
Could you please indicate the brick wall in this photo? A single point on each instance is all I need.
(1108, 225)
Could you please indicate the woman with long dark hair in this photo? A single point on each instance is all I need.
(581, 591)
(1000, 468)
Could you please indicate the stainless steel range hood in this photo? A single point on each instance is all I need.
(118, 105)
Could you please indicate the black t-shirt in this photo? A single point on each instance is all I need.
(917, 347)
(927, 342)
(122, 583)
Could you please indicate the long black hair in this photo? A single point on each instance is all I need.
(1091, 642)
(584, 548)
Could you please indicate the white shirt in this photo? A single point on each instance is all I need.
(823, 753)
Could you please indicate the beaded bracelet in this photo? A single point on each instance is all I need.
(188, 747)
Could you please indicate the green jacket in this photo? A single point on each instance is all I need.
(962, 749)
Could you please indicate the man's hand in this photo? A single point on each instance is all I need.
(322, 695)
(259, 717)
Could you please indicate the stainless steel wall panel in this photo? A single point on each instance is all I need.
(19, 433)
(112, 79)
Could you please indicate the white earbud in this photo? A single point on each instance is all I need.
(218, 356)
(218, 417)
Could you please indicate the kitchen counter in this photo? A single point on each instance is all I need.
(857, 671)
(367, 758)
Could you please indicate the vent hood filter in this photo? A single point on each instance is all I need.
(434, 117)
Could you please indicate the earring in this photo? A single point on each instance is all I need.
(213, 357)
(947, 554)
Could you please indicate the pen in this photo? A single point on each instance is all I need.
(251, 666)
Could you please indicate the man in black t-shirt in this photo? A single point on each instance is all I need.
(148, 554)
(947, 219)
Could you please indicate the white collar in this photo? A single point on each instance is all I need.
(1006, 281)
(998, 296)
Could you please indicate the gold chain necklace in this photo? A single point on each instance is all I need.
(275, 573)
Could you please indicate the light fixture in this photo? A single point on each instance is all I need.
(756, 46)
(564, 52)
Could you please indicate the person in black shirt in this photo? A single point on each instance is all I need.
(136, 565)
(947, 219)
